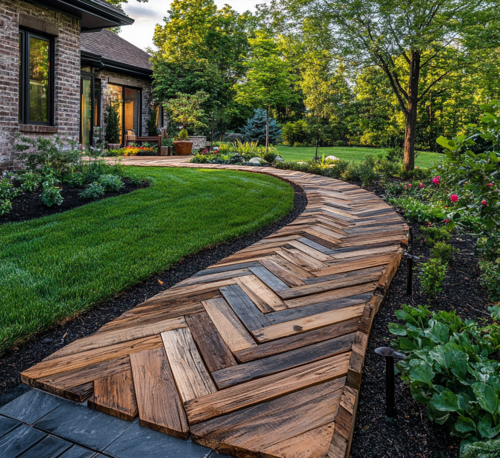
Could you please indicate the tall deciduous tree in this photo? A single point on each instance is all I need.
(442, 34)
(200, 48)
(269, 80)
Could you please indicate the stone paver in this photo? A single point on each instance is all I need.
(7, 425)
(50, 447)
(18, 441)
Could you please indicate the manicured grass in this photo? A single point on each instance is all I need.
(57, 266)
(292, 153)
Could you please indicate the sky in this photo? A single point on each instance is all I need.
(147, 15)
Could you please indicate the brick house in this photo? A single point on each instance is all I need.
(60, 66)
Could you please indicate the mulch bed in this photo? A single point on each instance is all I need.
(44, 344)
(29, 205)
(412, 434)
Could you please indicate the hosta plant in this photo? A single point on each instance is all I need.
(452, 367)
(51, 195)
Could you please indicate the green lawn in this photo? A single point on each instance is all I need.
(292, 153)
(57, 266)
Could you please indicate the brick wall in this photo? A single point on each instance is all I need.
(108, 77)
(66, 73)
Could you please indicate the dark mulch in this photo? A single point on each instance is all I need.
(413, 434)
(29, 205)
(42, 345)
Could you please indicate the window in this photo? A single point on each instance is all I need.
(130, 107)
(90, 101)
(35, 78)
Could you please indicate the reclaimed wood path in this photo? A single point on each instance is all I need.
(261, 354)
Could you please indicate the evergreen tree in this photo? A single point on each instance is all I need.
(151, 125)
(255, 128)
(112, 131)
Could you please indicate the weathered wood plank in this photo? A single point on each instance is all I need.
(262, 296)
(288, 328)
(213, 349)
(246, 310)
(115, 396)
(190, 374)
(267, 388)
(298, 341)
(282, 361)
(159, 404)
(282, 273)
(229, 327)
(320, 256)
(269, 279)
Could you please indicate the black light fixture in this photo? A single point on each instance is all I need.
(390, 355)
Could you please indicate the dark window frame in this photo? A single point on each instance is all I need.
(24, 77)
(140, 89)
(95, 83)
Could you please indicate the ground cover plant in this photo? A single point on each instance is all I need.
(55, 267)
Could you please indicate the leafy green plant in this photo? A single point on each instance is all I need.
(183, 135)
(452, 370)
(30, 181)
(490, 277)
(49, 155)
(76, 179)
(167, 141)
(110, 183)
(442, 251)
(415, 209)
(5, 206)
(431, 276)
(7, 189)
(51, 195)
(435, 234)
(134, 179)
(93, 191)
(270, 156)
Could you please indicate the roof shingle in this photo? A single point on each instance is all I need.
(111, 46)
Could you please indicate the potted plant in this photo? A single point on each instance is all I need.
(166, 146)
(186, 109)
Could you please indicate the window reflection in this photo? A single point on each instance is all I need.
(39, 80)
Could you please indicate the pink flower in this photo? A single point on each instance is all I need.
(404, 186)
(484, 202)
(421, 185)
(436, 180)
(446, 221)
(409, 185)
(453, 197)
(490, 184)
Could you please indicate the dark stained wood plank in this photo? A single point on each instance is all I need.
(288, 328)
(282, 273)
(320, 287)
(311, 444)
(229, 327)
(75, 385)
(216, 270)
(213, 349)
(248, 430)
(269, 279)
(267, 388)
(321, 307)
(115, 396)
(298, 341)
(246, 310)
(214, 277)
(331, 295)
(316, 246)
(283, 361)
(189, 371)
(159, 404)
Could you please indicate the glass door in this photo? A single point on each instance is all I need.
(132, 114)
(86, 111)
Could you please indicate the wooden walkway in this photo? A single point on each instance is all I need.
(261, 354)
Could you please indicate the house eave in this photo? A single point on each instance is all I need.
(102, 63)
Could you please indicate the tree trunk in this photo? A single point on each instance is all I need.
(267, 130)
(411, 117)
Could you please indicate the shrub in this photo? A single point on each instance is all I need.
(442, 251)
(255, 128)
(270, 156)
(51, 195)
(93, 191)
(297, 132)
(112, 131)
(30, 181)
(361, 171)
(7, 189)
(49, 155)
(490, 277)
(416, 210)
(434, 234)
(431, 276)
(75, 180)
(5, 206)
(110, 183)
(451, 368)
(135, 179)
(183, 135)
